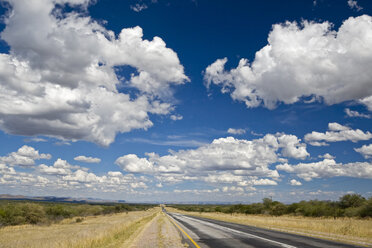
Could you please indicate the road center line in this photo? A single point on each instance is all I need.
(174, 222)
(236, 231)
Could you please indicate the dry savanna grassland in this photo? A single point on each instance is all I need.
(344, 229)
(113, 230)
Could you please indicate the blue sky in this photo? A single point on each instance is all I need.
(186, 100)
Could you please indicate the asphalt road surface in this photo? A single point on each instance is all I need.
(217, 234)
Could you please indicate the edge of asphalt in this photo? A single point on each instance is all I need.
(187, 235)
(291, 232)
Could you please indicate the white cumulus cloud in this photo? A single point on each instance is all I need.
(303, 60)
(365, 150)
(241, 162)
(59, 78)
(85, 159)
(294, 182)
(328, 168)
(337, 132)
(25, 156)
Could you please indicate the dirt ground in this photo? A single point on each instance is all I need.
(161, 233)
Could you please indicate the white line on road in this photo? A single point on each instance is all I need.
(235, 231)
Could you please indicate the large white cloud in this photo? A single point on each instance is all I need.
(59, 78)
(328, 168)
(337, 132)
(307, 59)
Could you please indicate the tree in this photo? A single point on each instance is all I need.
(352, 201)
(267, 202)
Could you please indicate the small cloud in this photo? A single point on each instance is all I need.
(316, 143)
(35, 140)
(352, 113)
(62, 143)
(327, 156)
(159, 185)
(87, 159)
(176, 117)
(256, 134)
(365, 150)
(294, 182)
(353, 4)
(138, 7)
(236, 131)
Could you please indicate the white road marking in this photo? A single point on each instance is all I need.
(235, 231)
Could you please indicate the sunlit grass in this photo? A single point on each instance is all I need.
(116, 230)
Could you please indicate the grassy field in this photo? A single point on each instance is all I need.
(357, 231)
(45, 213)
(114, 230)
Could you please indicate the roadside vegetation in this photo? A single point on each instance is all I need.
(28, 212)
(100, 231)
(350, 205)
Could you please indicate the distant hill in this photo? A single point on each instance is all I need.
(57, 199)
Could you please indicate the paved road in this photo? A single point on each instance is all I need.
(218, 234)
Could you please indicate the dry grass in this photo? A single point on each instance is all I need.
(342, 229)
(159, 232)
(116, 230)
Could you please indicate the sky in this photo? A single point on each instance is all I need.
(187, 100)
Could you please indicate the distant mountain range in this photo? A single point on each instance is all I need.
(57, 199)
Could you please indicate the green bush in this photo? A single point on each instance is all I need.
(27, 212)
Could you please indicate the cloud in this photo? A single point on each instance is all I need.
(294, 182)
(134, 164)
(236, 131)
(353, 4)
(60, 167)
(138, 7)
(352, 113)
(63, 81)
(337, 132)
(61, 176)
(197, 191)
(303, 60)
(87, 159)
(328, 168)
(365, 150)
(327, 156)
(292, 147)
(224, 161)
(264, 182)
(25, 156)
(36, 139)
(176, 117)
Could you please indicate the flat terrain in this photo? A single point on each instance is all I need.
(209, 233)
(116, 230)
(156, 228)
